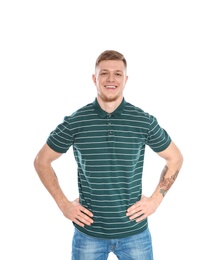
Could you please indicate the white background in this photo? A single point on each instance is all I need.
(47, 55)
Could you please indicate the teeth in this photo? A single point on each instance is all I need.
(113, 87)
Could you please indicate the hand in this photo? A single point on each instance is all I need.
(142, 209)
(77, 213)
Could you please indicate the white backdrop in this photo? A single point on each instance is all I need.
(47, 55)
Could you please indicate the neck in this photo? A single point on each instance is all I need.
(109, 106)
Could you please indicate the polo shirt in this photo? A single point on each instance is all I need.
(109, 150)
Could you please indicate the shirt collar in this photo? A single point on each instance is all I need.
(102, 113)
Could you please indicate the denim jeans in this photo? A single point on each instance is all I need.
(136, 247)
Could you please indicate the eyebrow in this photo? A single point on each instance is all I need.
(113, 70)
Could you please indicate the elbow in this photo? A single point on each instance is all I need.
(36, 163)
(180, 160)
(176, 161)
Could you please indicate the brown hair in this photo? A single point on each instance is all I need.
(111, 55)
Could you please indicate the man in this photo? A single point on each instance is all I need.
(109, 137)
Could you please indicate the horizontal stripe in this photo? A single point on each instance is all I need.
(109, 151)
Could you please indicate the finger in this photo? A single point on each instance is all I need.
(82, 219)
(130, 208)
(136, 215)
(86, 215)
(85, 219)
(134, 206)
(78, 222)
(134, 209)
(83, 209)
(141, 218)
(86, 211)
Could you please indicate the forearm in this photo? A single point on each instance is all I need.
(71, 210)
(167, 178)
(51, 183)
(148, 205)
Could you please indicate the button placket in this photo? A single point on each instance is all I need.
(110, 130)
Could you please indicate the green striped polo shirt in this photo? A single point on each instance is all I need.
(109, 150)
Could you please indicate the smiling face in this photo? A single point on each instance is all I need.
(110, 79)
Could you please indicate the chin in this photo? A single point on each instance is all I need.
(110, 99)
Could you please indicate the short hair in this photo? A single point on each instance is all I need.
(111, 55)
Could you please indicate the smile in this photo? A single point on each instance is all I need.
(110, 87)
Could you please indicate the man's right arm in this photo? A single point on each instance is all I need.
(71, 210)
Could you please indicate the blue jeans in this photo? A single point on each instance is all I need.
(136, 247)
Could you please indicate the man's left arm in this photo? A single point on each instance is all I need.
(148, 205)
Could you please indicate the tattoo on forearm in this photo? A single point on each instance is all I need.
(166, 183)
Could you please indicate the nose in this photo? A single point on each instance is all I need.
(111, 77)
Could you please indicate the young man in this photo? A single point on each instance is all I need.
(109, 137)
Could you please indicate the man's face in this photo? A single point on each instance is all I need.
(110, 79)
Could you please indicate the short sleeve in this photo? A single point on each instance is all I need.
(61, 138)
(158, 139)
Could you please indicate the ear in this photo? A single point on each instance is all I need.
(126, 79)
(94, 78)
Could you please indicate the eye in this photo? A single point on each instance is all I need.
(118, 74)
(104, 73)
